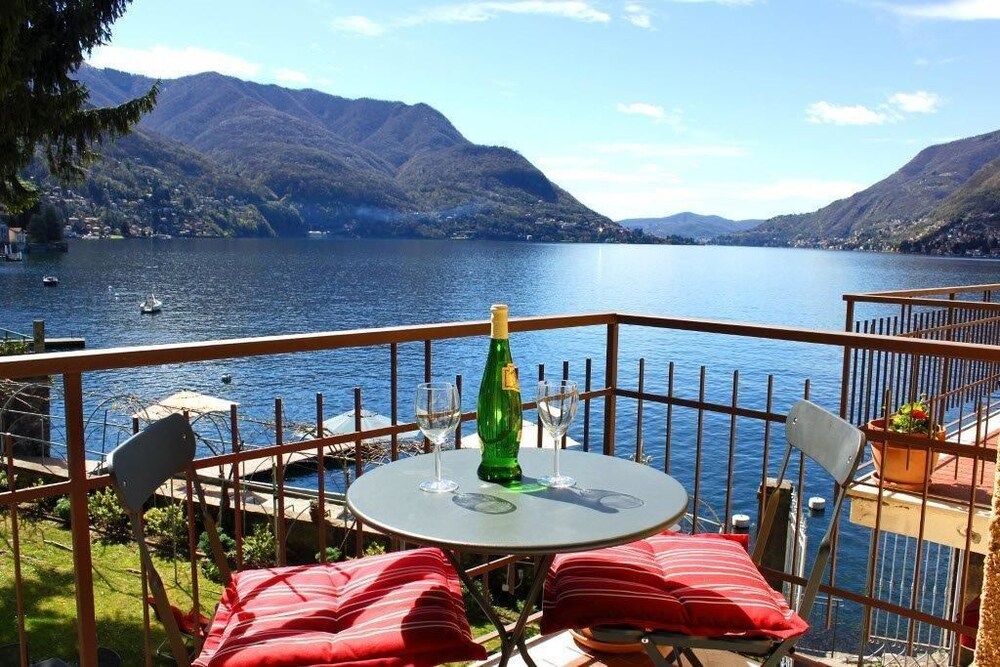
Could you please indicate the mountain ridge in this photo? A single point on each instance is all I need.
(690, 225)
(892, 214)
(348, 167)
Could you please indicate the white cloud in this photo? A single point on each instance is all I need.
(833, 114)
(731, 3)
(168, 63)
(291, 76)
(893, 110)
(476, 12)
(641, 109)
(918, 102)
(638, 15)
(651, 150)
(360, 25)
(952, 10)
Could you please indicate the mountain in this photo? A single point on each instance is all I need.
(902, 210)
(967, 222)
(292, 160)
(690, 225)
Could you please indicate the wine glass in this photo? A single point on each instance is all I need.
(557, 400)
(438, 408)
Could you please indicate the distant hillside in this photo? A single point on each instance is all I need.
(967, 222)
(292, 160)
(899, 211)
(690, 225)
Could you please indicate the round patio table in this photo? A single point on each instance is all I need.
(614, 501)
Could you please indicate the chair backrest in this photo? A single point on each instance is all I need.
(837, 446)
(141, 464)
(825, 438)
(138, 467)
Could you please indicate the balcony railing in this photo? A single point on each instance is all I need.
(701, 400)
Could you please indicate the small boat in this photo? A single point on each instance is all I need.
(151, 305)
(50, 281)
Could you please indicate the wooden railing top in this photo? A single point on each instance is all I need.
(924, 291)
(132, 357)
(152, 355)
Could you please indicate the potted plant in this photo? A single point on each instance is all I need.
(901, 465)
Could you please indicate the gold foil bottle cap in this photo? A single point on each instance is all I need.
(498, 321)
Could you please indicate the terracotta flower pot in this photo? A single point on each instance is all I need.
(901, 466)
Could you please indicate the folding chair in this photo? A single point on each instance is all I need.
(402, 608)
(686, 592)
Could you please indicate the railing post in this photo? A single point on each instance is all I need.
(38, 333)
(845, 373)
(86, 621)
(611, 382)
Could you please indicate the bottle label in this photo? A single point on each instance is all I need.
(510, 382)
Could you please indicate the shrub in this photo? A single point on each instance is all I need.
(374, 549)
(107, 515)
(167, 522)
(61, 509)
(208, 566)
(9, 347)
(332, 554)
(258, 548)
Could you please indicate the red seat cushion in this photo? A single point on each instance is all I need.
(703, 585)
(383, 611)
(185, 622)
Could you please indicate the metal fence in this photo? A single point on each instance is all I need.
(695, 398)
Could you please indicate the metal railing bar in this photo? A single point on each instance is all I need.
(922, 291)
(967, 325)
(819, 336)
(699, 438)
(873, 602)
(82, 361)
(695, 404)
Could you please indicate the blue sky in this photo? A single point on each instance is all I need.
(639, 108)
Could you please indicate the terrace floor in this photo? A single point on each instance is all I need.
(561, 651)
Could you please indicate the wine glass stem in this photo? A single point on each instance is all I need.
(555, 458)
(437, 461)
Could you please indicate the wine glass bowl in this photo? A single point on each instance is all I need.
(557, 401)
(438, 410)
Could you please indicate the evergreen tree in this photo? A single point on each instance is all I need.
(45, 225)
(43, 42)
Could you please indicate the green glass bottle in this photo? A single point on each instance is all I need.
(498, 408)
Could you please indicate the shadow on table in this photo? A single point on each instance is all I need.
(602, 500)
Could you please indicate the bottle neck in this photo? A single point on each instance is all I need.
(498, 327)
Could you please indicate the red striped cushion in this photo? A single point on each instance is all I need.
(704, 585)
(384, 611)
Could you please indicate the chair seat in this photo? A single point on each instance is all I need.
(704, 585)
(398, 609)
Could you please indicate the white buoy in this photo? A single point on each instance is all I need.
(817, 503)
(741, 521)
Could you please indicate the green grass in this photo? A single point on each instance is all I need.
(50, 606)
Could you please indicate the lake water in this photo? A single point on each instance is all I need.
(215, 289)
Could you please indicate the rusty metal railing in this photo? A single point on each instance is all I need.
(714, 414)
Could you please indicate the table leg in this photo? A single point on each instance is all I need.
(509, 641)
